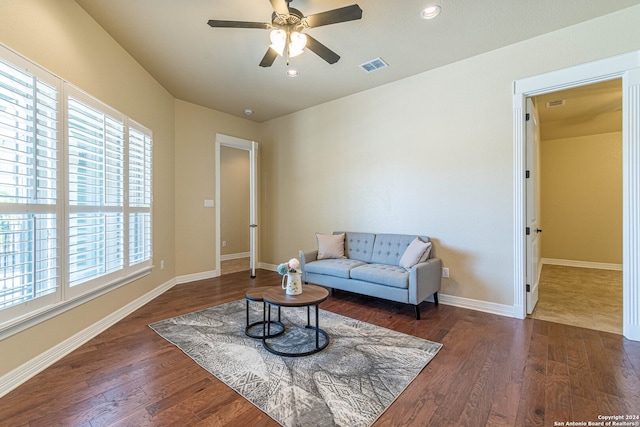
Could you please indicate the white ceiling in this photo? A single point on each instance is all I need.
(218, 67)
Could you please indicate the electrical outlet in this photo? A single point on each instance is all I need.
(445, 272)
(162, 265)
(224, 243)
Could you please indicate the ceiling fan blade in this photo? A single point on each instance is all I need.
(343, 14)
(216, 23)
(268, 58)
(321, 50)
(280, 6)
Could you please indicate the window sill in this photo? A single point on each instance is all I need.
(32, 319)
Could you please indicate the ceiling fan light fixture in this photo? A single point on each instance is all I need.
(278, 40)
(431, 12)
(297, 44)
(286, 28)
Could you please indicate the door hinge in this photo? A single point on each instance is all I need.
(527, 174)
(528, 288)
(528, 231)
(527, 117)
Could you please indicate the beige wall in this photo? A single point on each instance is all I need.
(234, 200)
(431, 154)
(581, 198)
(61, 37)
(195, 230)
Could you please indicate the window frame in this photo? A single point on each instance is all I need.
(21, 316)
(37, 304)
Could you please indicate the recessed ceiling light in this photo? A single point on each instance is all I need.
(430, 12)
(292, 73)
(248, 111)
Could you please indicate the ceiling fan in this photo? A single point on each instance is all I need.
(287, 25)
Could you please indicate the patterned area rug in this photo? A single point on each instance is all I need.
(350, 383)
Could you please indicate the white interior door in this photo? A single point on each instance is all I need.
(253, 206)
(252, 148)
(532, 255)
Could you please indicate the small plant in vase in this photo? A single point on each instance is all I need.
(290, 274)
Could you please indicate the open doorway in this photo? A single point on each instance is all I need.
(250, 147)
(234, 210)
(580, 206)
(626, 67)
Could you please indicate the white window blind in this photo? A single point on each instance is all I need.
(29, 229)
(75, 193)
(140, 195)
(96, 192)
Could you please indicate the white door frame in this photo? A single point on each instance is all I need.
(251, 147)
(626, 67)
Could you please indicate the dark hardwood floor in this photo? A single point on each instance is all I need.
(492, 370)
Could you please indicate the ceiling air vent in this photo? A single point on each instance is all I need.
(374, 65)
(558, 103)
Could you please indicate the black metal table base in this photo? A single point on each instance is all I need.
(318, 347)
(248, 329)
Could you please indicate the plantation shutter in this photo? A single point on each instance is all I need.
(29, 217)
(140, 172)
(96, 192)
(75, 195)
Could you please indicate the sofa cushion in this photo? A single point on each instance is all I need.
(333, 267)
(330, 245)
(414, 253)
(358, 245)
(388, 248)
(383, 274)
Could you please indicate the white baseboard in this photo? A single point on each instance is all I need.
(582, 264)
(197, 276)
(239, 255)
(631, 332)
(39, 363)
(472, 304)
(265, 266)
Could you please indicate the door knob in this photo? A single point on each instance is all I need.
(538, 230)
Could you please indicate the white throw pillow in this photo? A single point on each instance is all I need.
(330, 246)
(414, 253)
(426, 254)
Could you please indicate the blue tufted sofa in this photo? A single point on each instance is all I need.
(371, 267)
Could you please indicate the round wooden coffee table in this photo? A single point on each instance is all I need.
(311, 295)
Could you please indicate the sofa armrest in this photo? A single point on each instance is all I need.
(424, 280)
(306, 257)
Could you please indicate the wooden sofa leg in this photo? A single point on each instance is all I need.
(417, 309)
(435, 297)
